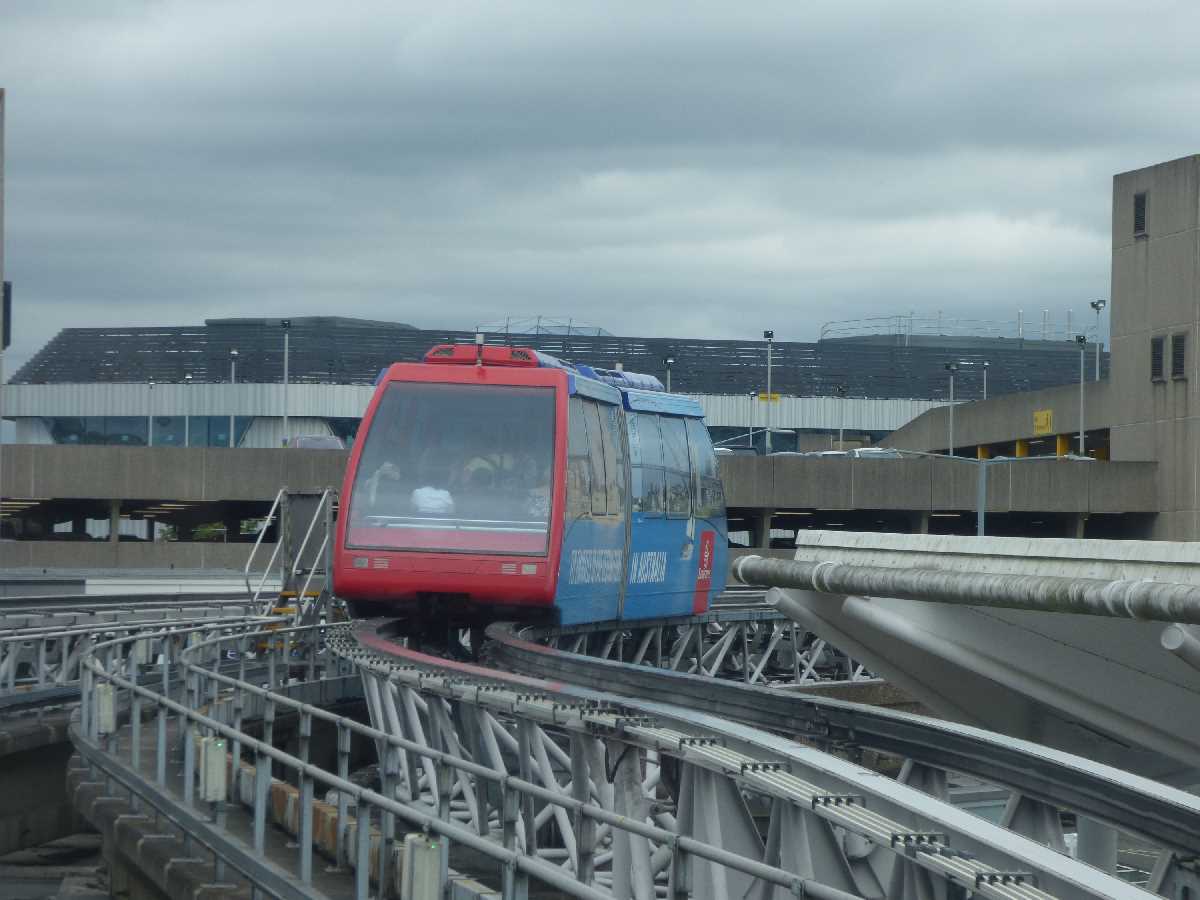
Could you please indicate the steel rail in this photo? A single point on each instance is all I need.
(989, 848)
(49, 672)
(1163, 815)
(97, 602)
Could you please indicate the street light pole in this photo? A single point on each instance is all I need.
(286, 325)
(985, 368)
(187, 411)
(150, 414)
(233, 356)
(1082, 339)
(841, 392)
(669, 361)
(769, 336)
(1098, 305)
(951, 368)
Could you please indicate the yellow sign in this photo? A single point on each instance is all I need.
(770, 398)
(1043, 421)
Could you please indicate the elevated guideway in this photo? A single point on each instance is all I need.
(695, 757)
(685, 796)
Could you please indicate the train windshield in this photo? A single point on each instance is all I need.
(456, 467)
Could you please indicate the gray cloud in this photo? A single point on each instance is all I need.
(692, 169)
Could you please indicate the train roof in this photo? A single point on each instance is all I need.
(634, 391)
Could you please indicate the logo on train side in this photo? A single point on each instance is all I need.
(595, 566)
(649, 567)
(704, 575)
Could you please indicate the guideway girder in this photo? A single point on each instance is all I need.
(593, 795)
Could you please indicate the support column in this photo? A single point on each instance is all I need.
(1076, 525)
(919, 522)
(114, 521)
(763, 529)
(983, 452)
(1022, 448)
(1062, 444)
(232, 520)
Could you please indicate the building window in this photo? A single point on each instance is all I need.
(1156, 358)
(1179, 356)
(1139, 213)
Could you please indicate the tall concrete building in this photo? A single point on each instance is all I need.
(1155, 314)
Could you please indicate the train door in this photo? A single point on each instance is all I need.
(662, 558)
(592, 564)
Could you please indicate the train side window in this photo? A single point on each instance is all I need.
(645, 457)
(579, 471)
(675, 459)
(596, 455)
(614, 458)
(708, 497)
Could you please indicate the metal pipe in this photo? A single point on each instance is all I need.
(1180, 641)
(1147, 600)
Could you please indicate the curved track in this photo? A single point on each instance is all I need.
(1152, 811)
(894, 815)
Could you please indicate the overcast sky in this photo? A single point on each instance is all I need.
(691, 169)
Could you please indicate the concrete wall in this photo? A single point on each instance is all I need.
(164, 473)
(127, 555)
(1039, 485)
(218, 474)
(1156, 292)
(1005, 419)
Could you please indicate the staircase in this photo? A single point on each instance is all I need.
(301, 557)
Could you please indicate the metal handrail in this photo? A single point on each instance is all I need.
(943, 326)
(307, 581)
(308, 774)
(9, 663)
(254, 594)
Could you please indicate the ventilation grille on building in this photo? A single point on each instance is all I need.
(1178, 355)
(1139, 213)
(1156, 358)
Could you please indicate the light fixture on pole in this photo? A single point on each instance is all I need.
(951, 368)
(286, 325)
(1098, 305)
(668, 361)
(233, 358)
(1081, 339)
(187, 411)
(985, 368)
(769, 337)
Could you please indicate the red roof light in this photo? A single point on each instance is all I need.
(464, 355)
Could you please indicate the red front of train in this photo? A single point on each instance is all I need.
(454, 491)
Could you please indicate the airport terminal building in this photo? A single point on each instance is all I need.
(222, 384)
